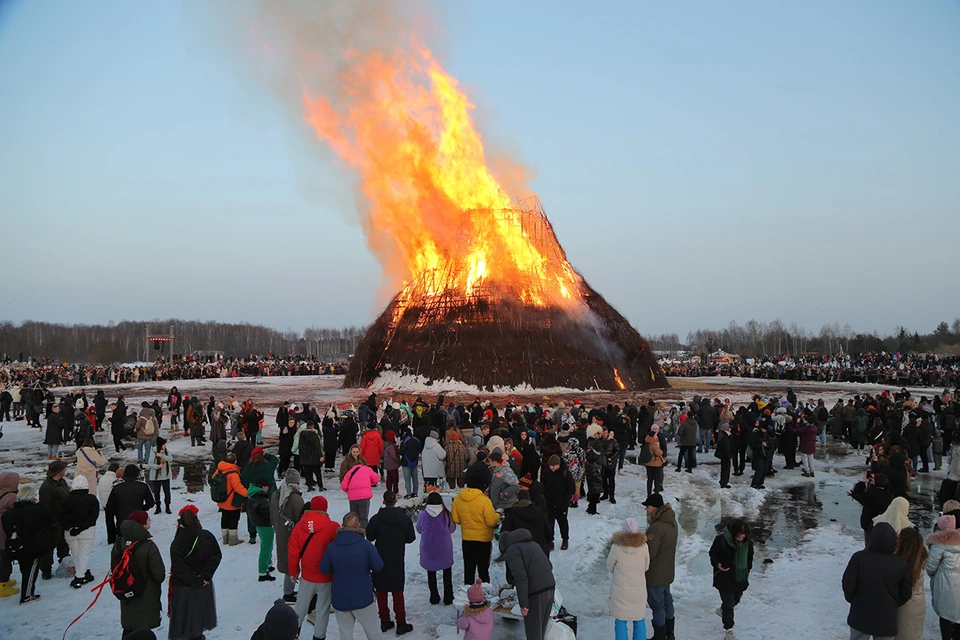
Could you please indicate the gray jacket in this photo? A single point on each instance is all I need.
(688, 432)
(531, 569)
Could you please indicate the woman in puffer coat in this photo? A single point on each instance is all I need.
(89, 461)
(432, 459)
(628, 561)
(943, 567)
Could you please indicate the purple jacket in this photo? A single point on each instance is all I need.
(808, 438)
(436, 540)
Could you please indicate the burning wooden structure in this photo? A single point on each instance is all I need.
(534, 328)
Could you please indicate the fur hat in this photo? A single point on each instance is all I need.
(140, 517)
(594, 431)
(475, 593)
(318, 503)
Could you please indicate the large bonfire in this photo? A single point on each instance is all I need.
(488, 297)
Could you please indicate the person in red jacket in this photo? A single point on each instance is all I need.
(371, 447)
(232, 507)
(308, 541)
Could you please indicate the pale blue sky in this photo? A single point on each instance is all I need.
(700, 162)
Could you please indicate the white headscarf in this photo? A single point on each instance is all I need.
(896, 515)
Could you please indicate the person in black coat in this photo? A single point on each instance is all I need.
(731, 556)
(194, 558)
(875, 583)
(34, 527)
(348, 433)
(724, 452)
(873, 493)
(479, 471)
(391, 530)
(558, 489)
(524, 514)
(896, 473)
(118, 420)
(53, 436)
(128, 496)
(285, 441)
(242, 448)
(53, 492)
(100, 405)
(531, 459)
(331, 437)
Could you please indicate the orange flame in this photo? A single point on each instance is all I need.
(616, 376)
(433, 201)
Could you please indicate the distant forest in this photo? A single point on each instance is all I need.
(124, 341)
(775, 338)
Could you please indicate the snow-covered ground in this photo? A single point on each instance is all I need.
(809, 527)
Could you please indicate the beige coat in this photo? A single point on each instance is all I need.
(911, 615)
(628, 561)
(88, 468)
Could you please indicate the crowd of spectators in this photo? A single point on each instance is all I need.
(892, 369)
(48, 372)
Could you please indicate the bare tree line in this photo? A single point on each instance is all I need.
(124, 341)
(774, 338)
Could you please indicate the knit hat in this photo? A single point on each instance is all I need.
(434, 435)
(281, 622)
(630, 525)
(291, 476)
(554, 459)
(526, 481)
(80, 482)
(318, 503)
(946, 523)
(475, 481)
(140, 517)
(594, 431)
(390, 435)
(475, 593)
(481, 456)
(131, 472)
(56, 467)
(256, 451)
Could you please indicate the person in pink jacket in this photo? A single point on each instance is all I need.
(359, 483)
(477, 618)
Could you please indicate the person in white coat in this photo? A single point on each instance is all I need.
(943, 567)
(628, 561)
(89, 461)
(107, 480)
(432, 459)
(80, 512)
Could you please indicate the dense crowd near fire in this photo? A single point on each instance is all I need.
(890, 369)
(48, 372)
(514, 473)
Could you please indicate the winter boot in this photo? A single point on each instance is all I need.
(266, 577)
(234, 538)
(225, 533)
(659, 633)
(76, 583)
(157, 510)
(404, 627)
(290, 598)
(88, 577)
(386, 625)
(668, 629)
(168, 510)
(565, 545)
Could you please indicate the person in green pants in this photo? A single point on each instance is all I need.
(260, 466)
(258, 508)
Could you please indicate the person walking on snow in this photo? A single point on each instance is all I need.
(232, 507)
(351, 559)
(80, 512)
(286, 507)
(33, 525)
(662, 537)
(731, 556)
(358, 484)
(141, 611)
(194, 557)
(435, 526)
(305, 549)
(628, 561)
(258, 510)
(391, 530)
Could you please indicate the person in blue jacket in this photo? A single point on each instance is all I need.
(351, 559)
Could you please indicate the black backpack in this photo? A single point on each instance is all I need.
(126, 578)
(218, 486)
(306, 448)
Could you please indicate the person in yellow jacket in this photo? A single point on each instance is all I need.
(232, 507)
(474, 512)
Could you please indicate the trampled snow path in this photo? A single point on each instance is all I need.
(797, 596)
